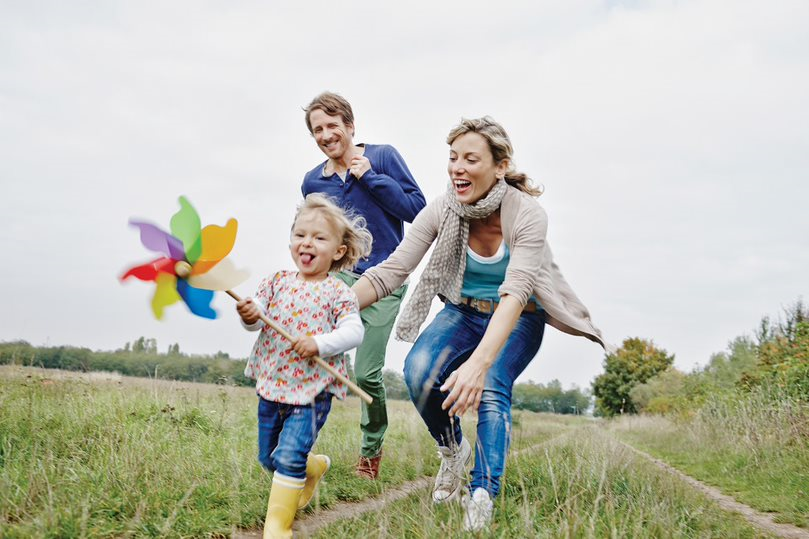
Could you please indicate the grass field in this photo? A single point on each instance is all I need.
(105, 456)
(756, 450)
(583, 485)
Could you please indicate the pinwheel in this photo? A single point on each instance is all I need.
(193, 266)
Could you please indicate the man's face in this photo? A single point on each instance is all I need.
(333, 136)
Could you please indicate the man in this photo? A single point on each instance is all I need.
(372, 181)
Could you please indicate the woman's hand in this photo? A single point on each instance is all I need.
(305, 347)
(465, 386)
(466, 382)
(248, 311)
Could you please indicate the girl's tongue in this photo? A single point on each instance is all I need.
(307, 258)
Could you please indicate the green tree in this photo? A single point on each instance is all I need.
(395, 387)
(726, 368)
(783, 357)
(549, 398)
(529, 396)
(660, 394)
(139, 345)
(634, 363)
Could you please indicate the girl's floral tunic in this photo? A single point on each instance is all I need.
(302, 308)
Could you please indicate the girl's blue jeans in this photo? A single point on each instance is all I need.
(446, 344)
(287, 432)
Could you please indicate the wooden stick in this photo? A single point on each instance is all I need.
(334, 372)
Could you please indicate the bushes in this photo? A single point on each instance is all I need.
(550, 398)
(777, 366)
(783, 360)
(634, 363)
(216, 370)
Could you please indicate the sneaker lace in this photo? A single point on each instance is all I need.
(451, 469)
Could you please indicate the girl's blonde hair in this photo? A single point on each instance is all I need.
(500, 146)
(349, 228)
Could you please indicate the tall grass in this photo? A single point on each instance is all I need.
(88, 458)
(753, 446)
(583, 485)
(100, 455)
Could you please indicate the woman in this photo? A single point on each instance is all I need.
(493, 269)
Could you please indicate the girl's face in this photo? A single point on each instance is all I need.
(314, 245)
(472, 169)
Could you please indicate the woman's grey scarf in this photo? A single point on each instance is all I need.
(444, 272)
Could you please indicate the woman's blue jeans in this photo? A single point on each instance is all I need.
(287, 432)
(446, 344)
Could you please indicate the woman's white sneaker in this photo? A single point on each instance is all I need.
(477, 510)
(452, 473)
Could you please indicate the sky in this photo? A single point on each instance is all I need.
(672, 139)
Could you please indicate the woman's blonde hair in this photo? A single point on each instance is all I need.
(350, 229)
(500, 146)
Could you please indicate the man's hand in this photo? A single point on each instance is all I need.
(248, 311)
(305, 347)
(359, 166)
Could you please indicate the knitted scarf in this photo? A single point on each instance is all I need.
(444, 272)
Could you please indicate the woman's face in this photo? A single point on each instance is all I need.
(472, 169)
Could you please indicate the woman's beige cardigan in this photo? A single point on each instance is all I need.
(531, 269)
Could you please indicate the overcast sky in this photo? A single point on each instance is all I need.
(672, 139)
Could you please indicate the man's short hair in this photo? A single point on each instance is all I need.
(332, 104)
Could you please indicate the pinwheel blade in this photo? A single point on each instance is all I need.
(198, 300)
(217, 242)
(159, 241)
(150, 270)
(185, 225)
(223, 276)
(165, 293)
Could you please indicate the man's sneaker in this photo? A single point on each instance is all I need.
(452, 473)
(477, 510)
(368, 468)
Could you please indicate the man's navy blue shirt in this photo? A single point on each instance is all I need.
(386, 195)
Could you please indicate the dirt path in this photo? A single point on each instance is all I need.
(762, 521)
(313, 522)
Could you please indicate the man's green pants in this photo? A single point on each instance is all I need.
(378, 321)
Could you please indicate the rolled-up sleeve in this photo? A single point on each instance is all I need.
(527, 253)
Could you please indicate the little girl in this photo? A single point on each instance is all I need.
(294, 393)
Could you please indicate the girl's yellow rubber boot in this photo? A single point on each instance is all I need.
(316, 468)
(284, 496)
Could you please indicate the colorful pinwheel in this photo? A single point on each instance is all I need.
(193, 264)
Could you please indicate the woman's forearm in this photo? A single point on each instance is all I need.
(502, 323)
(365, 292)
(466, 383)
